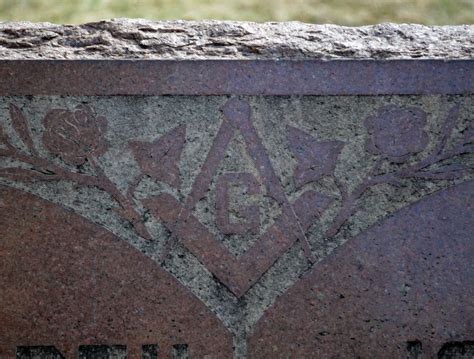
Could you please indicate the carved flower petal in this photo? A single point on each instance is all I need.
(315, 159)
(396, 132)
(159, 159)
(74, 135)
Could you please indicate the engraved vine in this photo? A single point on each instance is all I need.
(395, 134)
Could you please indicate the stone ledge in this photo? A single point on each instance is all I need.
(123, 39)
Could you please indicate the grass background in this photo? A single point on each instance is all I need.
(344, 12)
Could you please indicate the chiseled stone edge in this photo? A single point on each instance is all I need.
(145, 39)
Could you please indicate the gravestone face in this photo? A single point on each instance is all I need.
(258, 208)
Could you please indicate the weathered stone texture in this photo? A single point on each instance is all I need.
(146, 39)
(406, 279)
(222, 209)
(297, 176)
(68, 283)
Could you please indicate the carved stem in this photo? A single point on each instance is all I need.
(128, 211)
(432, 159)
(101, 181)
(349, 199)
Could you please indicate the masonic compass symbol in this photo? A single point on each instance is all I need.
(69, 144)
(238, 273)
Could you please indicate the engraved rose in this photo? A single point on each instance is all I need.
(75, 135)
(397, 132)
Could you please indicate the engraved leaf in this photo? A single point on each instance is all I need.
(315, 158)
(451, 171)
(468, 135)
(442, 175)
(309, 207)
(21, 127)
(449, 125)
(25, 175)
(159, 159)
(3, 137)
(4, 143)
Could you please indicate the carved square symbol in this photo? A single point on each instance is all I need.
(238, 273)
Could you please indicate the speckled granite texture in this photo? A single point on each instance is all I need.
(146, 39)
(210, 221)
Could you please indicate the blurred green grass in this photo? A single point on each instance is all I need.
(343, 12)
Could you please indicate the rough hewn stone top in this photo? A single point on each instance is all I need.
(123, 38)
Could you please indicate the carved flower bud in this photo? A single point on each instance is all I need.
(75, 135)
(397, 132)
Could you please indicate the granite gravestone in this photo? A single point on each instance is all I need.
(194, 190)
